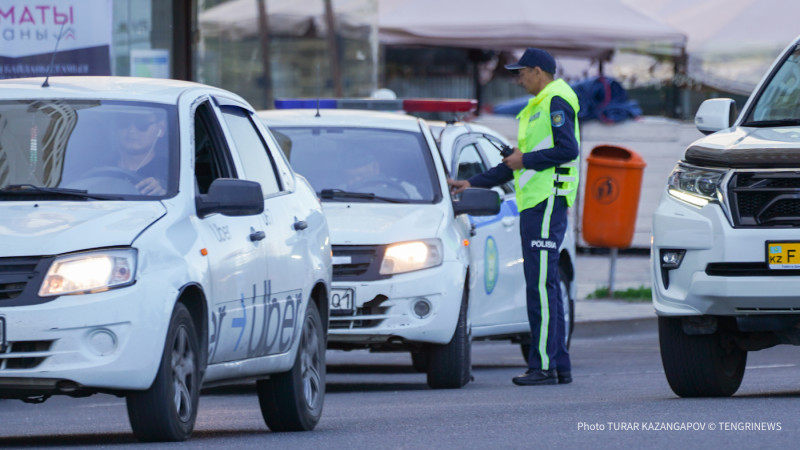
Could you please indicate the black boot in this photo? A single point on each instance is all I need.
(536, 377)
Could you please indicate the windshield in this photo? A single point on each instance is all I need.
(779, 100)
(120, 150)
(389, 164)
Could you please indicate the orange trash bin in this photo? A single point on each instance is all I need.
(611, 196)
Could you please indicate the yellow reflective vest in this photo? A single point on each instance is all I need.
(536, 133)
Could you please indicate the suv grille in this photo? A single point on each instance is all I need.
(765, 199)
(25, 354)
(357, 262)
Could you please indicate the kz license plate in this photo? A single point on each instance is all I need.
(783, 255)
(342, 301)
(2, 334)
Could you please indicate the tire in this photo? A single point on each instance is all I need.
(569, 317)
(293, 400)
(419, 360)
(167, 411)
(450, 365)
(699, 366)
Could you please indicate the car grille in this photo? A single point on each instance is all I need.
(15, 273)
(765, 199)
(24, 354)
(357, 262)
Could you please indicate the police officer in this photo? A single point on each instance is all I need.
(545, 172)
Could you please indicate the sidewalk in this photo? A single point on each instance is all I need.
(603, 317)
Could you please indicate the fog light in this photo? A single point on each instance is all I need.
(102, 341)
(672, 258)
(421, 308)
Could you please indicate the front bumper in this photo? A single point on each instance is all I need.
(737, 283)
(384, 308)
(110, 340)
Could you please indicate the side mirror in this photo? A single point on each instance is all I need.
(478, 202)
(231, 197)
(715, 114)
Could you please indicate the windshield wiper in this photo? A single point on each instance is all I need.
(329, 194)
(772, 123)
(30, 189)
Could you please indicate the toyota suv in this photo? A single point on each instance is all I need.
(725, 248)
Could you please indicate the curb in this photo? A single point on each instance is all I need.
(613, 328)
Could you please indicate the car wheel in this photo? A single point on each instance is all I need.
(699, 365)
(419, 360)
(167, 411)
(292, 401)
(569, 317)
(450, 365)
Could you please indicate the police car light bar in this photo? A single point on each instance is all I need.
(407, 105)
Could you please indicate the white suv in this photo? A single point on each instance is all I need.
(153, 241)
(414, 269)
(725, 251)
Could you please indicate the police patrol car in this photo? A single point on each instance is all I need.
(726, 253)
(150, 281)
(414, 269)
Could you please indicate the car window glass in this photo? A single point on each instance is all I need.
(780, 99)
(388, 163)
(469, 163)
(212, 157)
(103, 147)
(256, 161)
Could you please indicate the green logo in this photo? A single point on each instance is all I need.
(491, 267)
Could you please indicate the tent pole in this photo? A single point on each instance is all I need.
(263, 33)
(333, 48)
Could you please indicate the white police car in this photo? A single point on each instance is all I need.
(154, 241)
(414, 269)
(726, 253)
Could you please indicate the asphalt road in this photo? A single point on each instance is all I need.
(619, 398)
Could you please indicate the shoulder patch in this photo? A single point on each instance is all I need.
(557, 118)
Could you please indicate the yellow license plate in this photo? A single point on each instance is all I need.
(783, 255)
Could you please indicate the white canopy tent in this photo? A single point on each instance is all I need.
(731, 43)
(585, 28)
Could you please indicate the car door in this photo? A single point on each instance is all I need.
(271, 313)
(231, 246)
(497, 298)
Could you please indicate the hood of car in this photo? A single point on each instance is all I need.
(374, 224)
(52, 228)
(748, 147)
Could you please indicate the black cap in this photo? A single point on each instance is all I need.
(535, 57)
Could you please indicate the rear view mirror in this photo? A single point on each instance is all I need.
(231, 197)
(478, 202)
(715, 114)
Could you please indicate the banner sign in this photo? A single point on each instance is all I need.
(30, 31)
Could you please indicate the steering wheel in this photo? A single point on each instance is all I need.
(383, 187)
(108, 179)
(114, 172)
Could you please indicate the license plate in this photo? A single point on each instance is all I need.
(783, 255)
(2, 334)
(342, 301)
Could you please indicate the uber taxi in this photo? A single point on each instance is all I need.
(414, 269)
(154, 240)
(725, 248)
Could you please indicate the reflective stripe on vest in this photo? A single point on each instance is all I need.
(536, 133)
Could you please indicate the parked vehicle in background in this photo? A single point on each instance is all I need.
(155, 241)
(414, 269)
(726, 255)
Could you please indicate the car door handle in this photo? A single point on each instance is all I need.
(300, 225)
(257, 235)
(507, 221)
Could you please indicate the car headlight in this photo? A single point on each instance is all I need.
(409, 256)
(695, 185)
(89, 272)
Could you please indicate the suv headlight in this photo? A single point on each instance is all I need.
(410, 256)
(694, 185)
(95, 271)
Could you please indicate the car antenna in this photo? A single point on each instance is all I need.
(53, 58)
(319, 89)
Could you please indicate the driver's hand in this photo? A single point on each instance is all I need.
(457, 186)
(150, 186)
